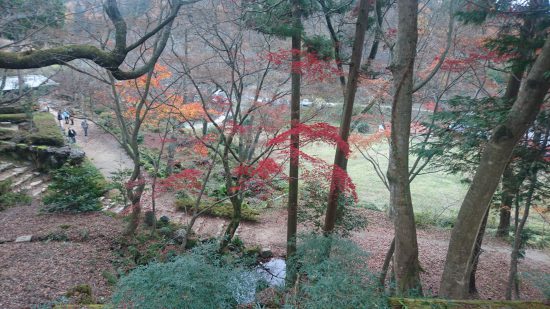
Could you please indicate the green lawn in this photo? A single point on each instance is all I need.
(436, 192)
(436, 196)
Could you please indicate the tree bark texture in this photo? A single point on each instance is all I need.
(508, 183)
(292, 221)
(406, 264)
(495, 157)
(386, 265)
(476, 254)
(506, 200)
(340, 159)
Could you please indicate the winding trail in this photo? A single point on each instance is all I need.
(106, 154)
(101, 148)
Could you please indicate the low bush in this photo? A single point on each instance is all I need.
(149, 218)
(313, 206)
(222, 210)
(369, 206)
(427, 218)
(8, 198)
(363, 127)
(75, 189)
(46, 132)
(194, 280)
(149, 159)
(333, 274)
(14, 118)
(542, 282)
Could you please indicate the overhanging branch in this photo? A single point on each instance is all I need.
(110, 60)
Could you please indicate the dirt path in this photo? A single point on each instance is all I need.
(100, 147)
(270, 231)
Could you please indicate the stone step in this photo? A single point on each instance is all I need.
(20, 180)
(35, 192)
(10, 126)
(4, 166)
(14, 172)
(29, 186)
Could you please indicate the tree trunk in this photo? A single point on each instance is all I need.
(340, 159)
(236, 200)
(407, 266)
(506, 200)
(292, 223)
(233, 224)
(172, 144)
(204, 127)
(508, 184)
(135, 188)
(476, 254)
(513, 281)
(386, 264)
(455, 279)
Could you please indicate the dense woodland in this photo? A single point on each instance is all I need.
(329, 118)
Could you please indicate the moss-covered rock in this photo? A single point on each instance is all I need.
(12, 109)
(222, 210)
(14, 118)
(7, 134)
(47, 131)
(81, 293)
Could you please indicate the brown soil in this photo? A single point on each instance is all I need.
(40, 271)
(492, 273)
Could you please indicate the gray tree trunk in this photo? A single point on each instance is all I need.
(407, 266)
(456, 275)
(292, 221)
(513, 280)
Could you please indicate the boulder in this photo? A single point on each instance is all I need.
(266, 253)
(45, 157)
(180, 235)
(24, 238)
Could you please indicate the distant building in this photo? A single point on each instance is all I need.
(30, 82)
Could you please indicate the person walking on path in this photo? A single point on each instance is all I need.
(66, 116)
(60, 118)
(71, 119)
(72, 135)
(84, 125)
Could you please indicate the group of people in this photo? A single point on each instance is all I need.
(65, 115)
(71, 133)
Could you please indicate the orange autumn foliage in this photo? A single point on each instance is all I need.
(161, 104)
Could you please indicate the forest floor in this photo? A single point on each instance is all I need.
(492, 275)
(66, 250)
(38, 271)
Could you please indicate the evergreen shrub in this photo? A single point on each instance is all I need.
(333, 274)
(8, 198)
(75, 189)
(195, 280)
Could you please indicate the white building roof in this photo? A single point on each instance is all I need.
(31, 81)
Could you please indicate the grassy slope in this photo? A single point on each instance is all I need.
(437, 195)
(445, 192)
